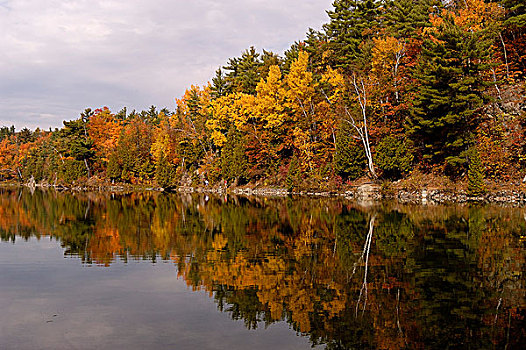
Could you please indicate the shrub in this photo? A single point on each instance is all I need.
(349, 159)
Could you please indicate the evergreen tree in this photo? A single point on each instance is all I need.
(407, 18)
(290, 56)
(450, 90)
(268, 59)
(476, 186)
(393, 157)
(293, 179)
(165, 173)
(114, 169)
(349, 159)
(5, 132)
(219, 85)
(351, 23)
(314, 45)
(243, 72)
(75, 148)
(515, 13)
(233, 158)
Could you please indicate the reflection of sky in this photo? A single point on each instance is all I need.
(58, 57)
(138, 305)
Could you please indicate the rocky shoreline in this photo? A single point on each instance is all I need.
(373, 192)
(364, 192)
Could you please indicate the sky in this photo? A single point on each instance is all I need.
(58, 57)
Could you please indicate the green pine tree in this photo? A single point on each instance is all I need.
(349, 160)
(515, 13)
(393, 157)
(233, 158)
(407, 18)
(476, 186)
(351, 23)
(450, 90)
(219, 85)
(243, 72)
(165, 173)
(293, 179)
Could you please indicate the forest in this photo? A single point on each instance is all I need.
(385, 90)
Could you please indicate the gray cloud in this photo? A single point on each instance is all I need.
(59, 57)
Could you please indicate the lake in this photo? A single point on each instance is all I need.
(171, 271)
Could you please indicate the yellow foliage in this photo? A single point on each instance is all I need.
(384, 54)
(234, 108)
(269, 106)
(300, 84)
(337, 83)
(477, 15)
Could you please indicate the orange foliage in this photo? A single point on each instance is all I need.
(104, 130)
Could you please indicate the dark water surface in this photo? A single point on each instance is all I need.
(158, 271)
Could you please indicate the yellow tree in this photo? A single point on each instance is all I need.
(387, 55)
(195, 146)
(314, 124)
(269, 104)
(164, 143)
(232, 109)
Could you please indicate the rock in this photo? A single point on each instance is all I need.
(368, 191)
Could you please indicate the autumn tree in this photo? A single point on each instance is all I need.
(104, 130)
(513, 37)
(189, 123)
(165, 150)
(131, 161)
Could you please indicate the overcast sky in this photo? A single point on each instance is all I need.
(58, 57)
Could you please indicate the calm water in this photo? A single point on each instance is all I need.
(91, 271)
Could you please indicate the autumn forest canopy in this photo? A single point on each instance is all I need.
(383, 89)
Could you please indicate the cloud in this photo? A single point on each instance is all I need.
(59, 57)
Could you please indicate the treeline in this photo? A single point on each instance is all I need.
(383, 88)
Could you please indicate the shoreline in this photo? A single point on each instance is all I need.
(374, 192)
(366, 192)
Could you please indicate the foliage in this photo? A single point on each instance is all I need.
(450, 91)
(476, 186)
(393, 157)
(233, 158)
(349, 160)
(165, 173)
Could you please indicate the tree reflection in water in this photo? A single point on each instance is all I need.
(348, 276)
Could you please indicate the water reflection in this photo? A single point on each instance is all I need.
(384, 277)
